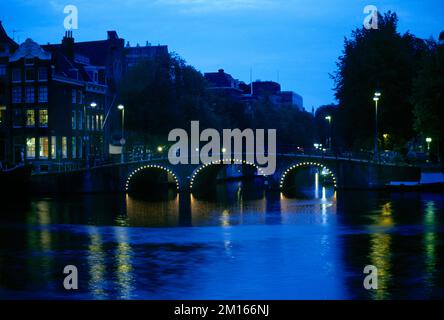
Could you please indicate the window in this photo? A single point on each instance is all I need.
(74, 147)
(74, 96)
(30, 75)
(93, 123)
(43, 74)
(44, 147)
(43, 94)
(2, 70)
(16, 95)
(29, 61)
(79, 120)
(30, 118)
(43, 118)
(2, 114)
(64, 148)
(53, 147)
(17, 118)
(80, 97)
(16, 75)
(30, 148)
(29, 95)
(73, 119)
(101, 122)
(97, 122)
(80, 149)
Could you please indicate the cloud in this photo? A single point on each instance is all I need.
(205, 6)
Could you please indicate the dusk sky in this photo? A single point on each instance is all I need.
(297, 40)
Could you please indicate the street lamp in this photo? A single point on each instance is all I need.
(328, 118)
(160, 149)
(428, 140)
(93, 104)
(376, 99)
(122, 140)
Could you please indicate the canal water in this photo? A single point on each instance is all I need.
(233, 244)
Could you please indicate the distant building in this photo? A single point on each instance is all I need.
(224, 83)
(292, 98)
(266, 88)
(56, 100)
(7, 48)
(272, 90)
(136, 54)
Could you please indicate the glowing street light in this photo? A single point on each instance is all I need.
(376, 98)
(93, 104)
(429, 141)
(121, 107)
(160, 149)
(328, 118)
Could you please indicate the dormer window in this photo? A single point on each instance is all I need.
(29, 61)
(30, 75)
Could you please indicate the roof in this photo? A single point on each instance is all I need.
(4, 38)
(30, 49)
(220, 79)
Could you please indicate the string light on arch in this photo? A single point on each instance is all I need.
(326, 170)
(151, 166)
(223, 161)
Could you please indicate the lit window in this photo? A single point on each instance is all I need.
(74, 147)
(43, 74)
(2, 114)
(97, 122)
(43, 94)
(53, 147)
(29, 95)
(43, 118)
(64, 148)
(30, 75)
(73, 119)
(44, 147)
(16, 95)
(30, 148)
(16, 75)
(30, 118)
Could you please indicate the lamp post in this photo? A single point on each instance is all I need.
(376, 99)
(328, 118)
(122, 140)
(429, 141)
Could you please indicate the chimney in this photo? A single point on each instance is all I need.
(68, 45)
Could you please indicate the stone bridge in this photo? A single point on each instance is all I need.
(345, 173)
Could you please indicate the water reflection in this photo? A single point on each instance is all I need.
(183, 246)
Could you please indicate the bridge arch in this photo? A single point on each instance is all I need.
(307, 164)
(222, 162)
(135, 172)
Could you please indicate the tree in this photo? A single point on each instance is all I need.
(428, 94)
(380, 59)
